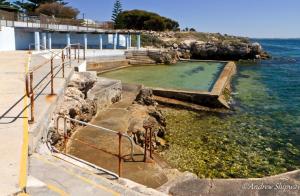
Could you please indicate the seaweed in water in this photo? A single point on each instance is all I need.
(194, 71)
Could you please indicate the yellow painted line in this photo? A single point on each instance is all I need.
(88, 181)
(57, 190)
(24, 151)
(22, 194)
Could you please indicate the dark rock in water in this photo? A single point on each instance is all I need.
(145, 97)
(244, 76)
(195, 70)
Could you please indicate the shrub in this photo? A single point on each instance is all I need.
(143, 20)
(57, 10)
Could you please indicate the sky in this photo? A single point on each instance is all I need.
(251, 18)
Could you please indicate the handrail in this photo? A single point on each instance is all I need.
(3, 116)
(66, 137)
(29, 75)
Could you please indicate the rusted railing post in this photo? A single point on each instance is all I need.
(52, 77)
(75, 52)
(31, 94)
(120, 154)
(63, 63)
(65, 135)
(150, 143)
(146, 145)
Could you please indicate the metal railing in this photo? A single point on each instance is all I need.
(46, 22)
(66, 58)
(120, 135)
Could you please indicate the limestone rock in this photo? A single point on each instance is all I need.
(144, 114)
(145, 97)
(186, 44)
(225, 50)
(83, 81)
(164, 57)
(212, 46)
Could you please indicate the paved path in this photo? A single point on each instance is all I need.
(12, 69)
(14, 128)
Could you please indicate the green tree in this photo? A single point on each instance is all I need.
(57, 10)
(116, 11)
(143, 20)
(4, 3)
(30, 6)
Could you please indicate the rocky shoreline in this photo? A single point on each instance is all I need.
(82, 102)
(204, 46)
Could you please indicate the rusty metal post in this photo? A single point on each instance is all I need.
(31, 99)
(63, 63)
(75, 55)
(65, 135)
(146, 145)
(151, 143)
(120, 154)
(70, 53)
(52, 92)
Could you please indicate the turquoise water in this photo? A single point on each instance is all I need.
(183, 75)
(261, 137)
(272, 88)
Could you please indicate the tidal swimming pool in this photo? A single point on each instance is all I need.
(181, 76)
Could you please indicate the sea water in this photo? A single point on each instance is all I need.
(262, 135)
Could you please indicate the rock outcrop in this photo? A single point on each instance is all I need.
(212, 46)
(81, 101)
(226, 51)
(144, 114)
(164, 56)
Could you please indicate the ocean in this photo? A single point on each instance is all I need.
(261, 137)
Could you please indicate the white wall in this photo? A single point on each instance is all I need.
(7, 39)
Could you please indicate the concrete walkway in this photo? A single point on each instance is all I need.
(12, 88)
(17, 137)
(57, 177)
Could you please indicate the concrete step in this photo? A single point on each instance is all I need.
(39, 188)
(185, 105)
(140, 58)
(58, 177)
(138, 62)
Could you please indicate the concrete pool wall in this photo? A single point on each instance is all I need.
(214, 98)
